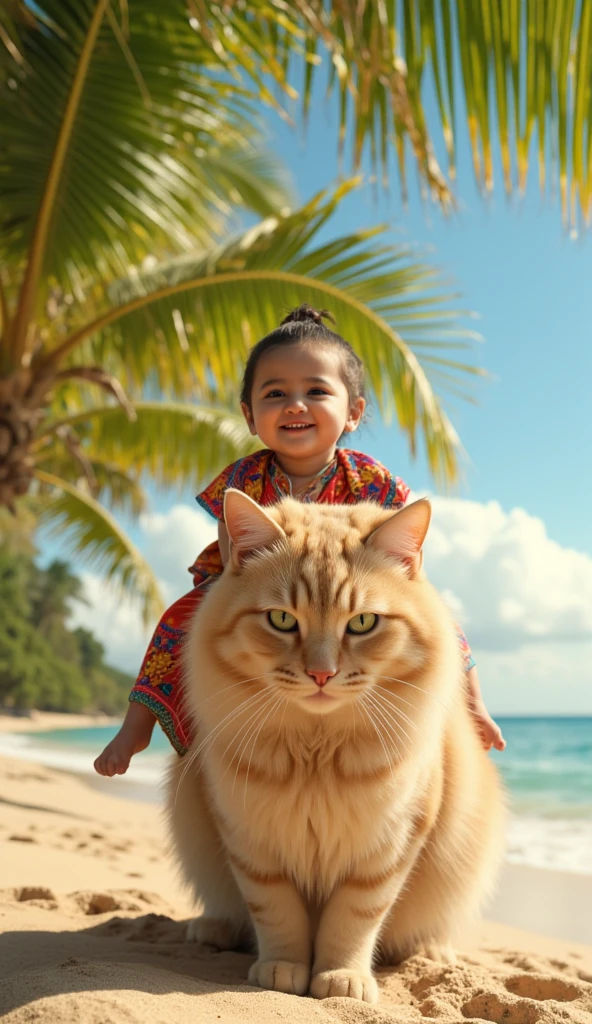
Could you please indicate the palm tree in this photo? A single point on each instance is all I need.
(125, 153)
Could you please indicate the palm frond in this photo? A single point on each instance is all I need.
(172, 445)
(92, 535)
(116, 487)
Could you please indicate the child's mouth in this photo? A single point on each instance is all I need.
(297, 426)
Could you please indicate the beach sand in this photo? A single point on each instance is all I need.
(43, 721)
(92, 932)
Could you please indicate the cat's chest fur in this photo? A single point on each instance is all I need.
(317, 809)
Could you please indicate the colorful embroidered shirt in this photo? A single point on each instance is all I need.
(349, 478)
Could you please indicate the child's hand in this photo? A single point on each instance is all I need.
(489, 731)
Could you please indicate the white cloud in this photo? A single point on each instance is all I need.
(524, 601)
(172, 542)
(508, 581)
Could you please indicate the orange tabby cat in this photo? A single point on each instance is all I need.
(337, 798)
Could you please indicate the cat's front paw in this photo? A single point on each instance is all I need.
(344, 983)
(281, 976)
(219, 932)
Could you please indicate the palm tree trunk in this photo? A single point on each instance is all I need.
(21, 412)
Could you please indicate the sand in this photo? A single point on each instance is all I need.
(92, 931)
(42, 721)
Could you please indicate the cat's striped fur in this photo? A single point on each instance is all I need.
(346, 828)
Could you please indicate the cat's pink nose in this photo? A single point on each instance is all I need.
(321, 678)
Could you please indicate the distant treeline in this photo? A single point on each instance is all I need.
(43, 663)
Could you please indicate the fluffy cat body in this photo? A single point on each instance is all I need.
(337, 798)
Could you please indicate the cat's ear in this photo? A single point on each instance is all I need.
(249, 527)
(402, 535)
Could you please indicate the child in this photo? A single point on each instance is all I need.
(303, 387)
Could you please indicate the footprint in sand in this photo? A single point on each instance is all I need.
(523, 1005)
(536, 986)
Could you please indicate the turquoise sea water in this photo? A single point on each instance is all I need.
(547, 769)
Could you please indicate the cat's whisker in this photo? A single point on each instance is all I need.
(241, 682)
(422, 689)
(230, 718)
(190, 760)
(391, 711)
(400, 731)
(283, 716)
(184, 704)
(241, 737)
(397, 710)
(212, 736)
(391, 725)
(355, 719)
(254, 743)
(232, 714)
(398, 696)
(232, 686)
(374, 724)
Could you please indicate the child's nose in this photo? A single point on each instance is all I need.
(295, 404)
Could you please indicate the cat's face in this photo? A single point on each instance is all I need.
(333, 605)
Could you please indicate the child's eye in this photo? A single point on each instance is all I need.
(317, 391)
(275, 394)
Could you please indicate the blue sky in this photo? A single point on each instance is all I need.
(512, 552)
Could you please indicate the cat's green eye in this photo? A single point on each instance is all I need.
(283, 621)
(362, 623)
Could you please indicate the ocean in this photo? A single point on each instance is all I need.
(547, 770)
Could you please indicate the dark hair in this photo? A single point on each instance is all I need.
(306, 324)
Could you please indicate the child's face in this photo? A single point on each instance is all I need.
(299, 403)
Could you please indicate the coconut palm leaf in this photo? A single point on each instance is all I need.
(109, 483)
(185, 329)
(171, 444)
(91, 534)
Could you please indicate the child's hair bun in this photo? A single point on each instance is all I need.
(306, 313)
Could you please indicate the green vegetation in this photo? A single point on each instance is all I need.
(43, 663)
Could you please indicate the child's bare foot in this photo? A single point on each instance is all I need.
(135, 735)
(489, 731)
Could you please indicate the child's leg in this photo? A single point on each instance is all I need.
(157, 694)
